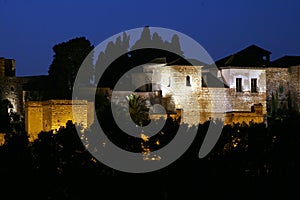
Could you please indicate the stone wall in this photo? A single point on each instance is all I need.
(216, 103)
(11, 89)
(2, 138)
(213, 103)
(181, 88)
(294, 77)
(34, 121)
(243, 101)
(53, 114)
(7, 67)
(182, 85)
(283, 84)
(278, 84)
(200, 104)
(253, 116)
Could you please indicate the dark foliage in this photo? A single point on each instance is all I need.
(67, 59)
(252, 160)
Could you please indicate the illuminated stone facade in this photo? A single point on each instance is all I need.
(185, 88)
(294, 77)
(244, 87)
(11, 87)
(181, 87)
(238, 89)
(283, 85)
(2, 139)
(53, 114)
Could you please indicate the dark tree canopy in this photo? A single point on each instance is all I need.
(139, 53)
(67, 59)
(147, 40)
(5, 105)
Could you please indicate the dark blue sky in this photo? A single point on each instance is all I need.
(30, 28)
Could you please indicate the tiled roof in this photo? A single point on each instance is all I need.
(251, 56)
(286, 61)
(255, 50)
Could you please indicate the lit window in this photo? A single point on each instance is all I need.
(238, 84)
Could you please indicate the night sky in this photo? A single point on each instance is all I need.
(30, 28)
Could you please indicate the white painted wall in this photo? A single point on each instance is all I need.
(230, 75)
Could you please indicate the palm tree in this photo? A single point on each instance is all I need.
(138, 110)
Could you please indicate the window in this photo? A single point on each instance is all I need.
(253, 85)
(148, 87)
(204, 79)
(12, 88)
(188, 81)
(238, 84)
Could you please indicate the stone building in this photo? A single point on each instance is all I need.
(245, 74)
(236, 93)
(245, 86)
(237, 88)
(282, 76)
(53, 114)
(26, 95)
(12, 87)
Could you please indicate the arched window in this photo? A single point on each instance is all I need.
(12, 89)
(188, 81)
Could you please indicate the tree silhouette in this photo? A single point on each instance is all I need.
(144, 41)
(148, 41)
(139, 53)
(68, 57)
(138, 110)
(5, 106)
(119, 47)
(174, 46)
